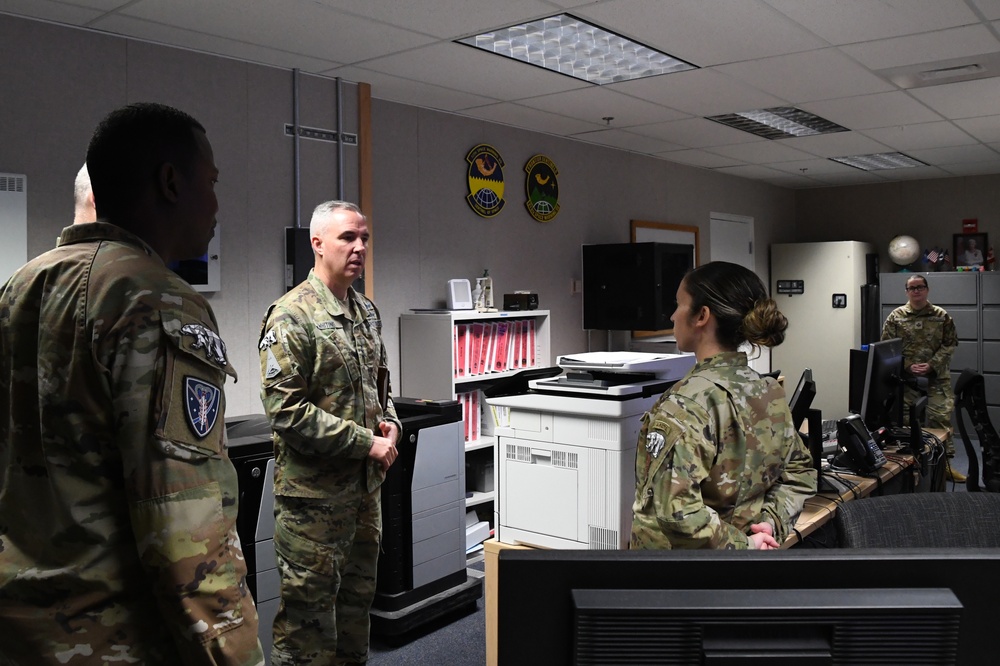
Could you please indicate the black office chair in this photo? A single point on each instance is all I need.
(920, 520)
(970, 400)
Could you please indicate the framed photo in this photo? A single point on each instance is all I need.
(969, 249)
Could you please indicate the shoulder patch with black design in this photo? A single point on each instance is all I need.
(201, 405)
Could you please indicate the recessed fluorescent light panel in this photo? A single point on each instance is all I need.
(780, 122)
(567, 45)
(879, 161)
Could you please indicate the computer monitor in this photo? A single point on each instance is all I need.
(802, 398)
(882, 400)
(633, 286)
(799, 606)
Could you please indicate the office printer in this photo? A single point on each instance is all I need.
(565, 455)
(615, 375)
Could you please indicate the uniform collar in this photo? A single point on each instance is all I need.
(99, 231)
(330, 302)
(733, 358)
(924, 310)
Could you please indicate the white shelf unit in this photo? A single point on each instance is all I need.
(426, 362)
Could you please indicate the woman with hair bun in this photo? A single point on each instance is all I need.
(719, 463)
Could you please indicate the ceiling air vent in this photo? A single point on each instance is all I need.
(968, 68)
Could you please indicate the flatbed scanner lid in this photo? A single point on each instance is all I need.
(664, 366)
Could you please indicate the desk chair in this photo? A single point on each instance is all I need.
(970, 400)
(920, 520)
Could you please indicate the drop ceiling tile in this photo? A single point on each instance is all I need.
(164, 34)
(761, 152)
(699, 158)
(849, 21)
(474, 71)
(447, 19)
(986, 128)
(837, 145)
(594, 103)
(532, 119)
(878, 110)
(319, 31)
(916, 173)
(856, 177)
(928, 47)
(59, 12)
(700, 92)
(753, 171)
(405, 91)
(955, 155)
(696, 133)
(974, 168)
(966, 99)
(101, 5)
(616, 138)
(791, 181)
(808, 77)
(921, 136)
(989, 8)
(704, 33)
(813, 168)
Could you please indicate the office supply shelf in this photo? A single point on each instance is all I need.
(427, 363)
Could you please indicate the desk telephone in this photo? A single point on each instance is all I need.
(860, 451)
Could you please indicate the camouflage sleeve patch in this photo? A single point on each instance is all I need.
(191, 409)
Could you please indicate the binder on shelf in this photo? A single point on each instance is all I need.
(503, 339)
(476, 349)
(462, 351)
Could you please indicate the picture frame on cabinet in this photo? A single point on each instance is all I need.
(969, 250)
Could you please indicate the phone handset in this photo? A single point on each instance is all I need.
(860, 451)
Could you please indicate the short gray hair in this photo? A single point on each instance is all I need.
(81, 187)
(321, 215)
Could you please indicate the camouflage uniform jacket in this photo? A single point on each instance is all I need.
(118, 502)
(323, 370)
(717, 453)
(928, 335)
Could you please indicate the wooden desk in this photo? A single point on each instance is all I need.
(820, 508)
(817, 512)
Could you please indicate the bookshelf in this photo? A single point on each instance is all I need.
(427, 366)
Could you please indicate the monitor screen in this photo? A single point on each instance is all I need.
(802, 398)
(882, 400)
(633, 286)
(202, 273)
(800, 606)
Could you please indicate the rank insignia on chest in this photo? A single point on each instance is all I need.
(201, 404)
(918, 325)
(654, 443)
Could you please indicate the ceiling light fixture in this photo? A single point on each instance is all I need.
(568, 45)
(780, 122)
(879, 161)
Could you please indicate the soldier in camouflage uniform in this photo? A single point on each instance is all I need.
(118, 502)
(929, 340)
(326, 392)
(719, 463)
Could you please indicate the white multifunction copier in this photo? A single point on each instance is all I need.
(564, 458)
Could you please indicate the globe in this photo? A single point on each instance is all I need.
(904, 250)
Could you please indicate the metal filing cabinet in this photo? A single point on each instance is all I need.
(990, 289)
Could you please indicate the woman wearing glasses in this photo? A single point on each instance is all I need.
(929, 340)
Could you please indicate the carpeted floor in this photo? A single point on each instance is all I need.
(455, 640)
